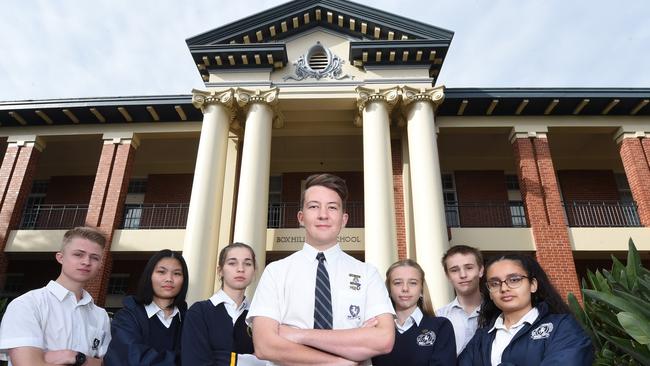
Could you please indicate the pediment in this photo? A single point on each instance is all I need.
(376, 37)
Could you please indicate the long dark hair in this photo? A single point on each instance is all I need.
(144, 294)
(546, 292)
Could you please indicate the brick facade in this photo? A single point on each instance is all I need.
(544, 211)
(169, 188)
(16, 177)
(70, 189)
(634, 154)
(398, 193)
(593, 187)
(482, 198)
(106, 205)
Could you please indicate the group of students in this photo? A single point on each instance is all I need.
(505, 313)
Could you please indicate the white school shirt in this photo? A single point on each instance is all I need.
(415, 318)
(235, 311)
(50, 318)
(464, 324)
(153, 309)
(285, 292)
(504, 336)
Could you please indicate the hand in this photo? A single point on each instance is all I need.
(61, 357)
(370, 323)
(289, 333)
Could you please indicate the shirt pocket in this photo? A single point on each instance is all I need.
(96, 338)
(352, 307)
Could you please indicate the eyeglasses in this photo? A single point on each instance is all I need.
(512, 282)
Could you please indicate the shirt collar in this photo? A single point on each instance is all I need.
(331, 254)
(61, 292)
(222, 296)
(415, 317)
(456, 304)
(153, 309)
(529, 318)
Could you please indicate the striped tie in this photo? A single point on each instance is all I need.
(323, 303)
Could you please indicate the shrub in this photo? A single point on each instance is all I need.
(616, 311)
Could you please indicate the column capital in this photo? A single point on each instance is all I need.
(367, 95)
(121, 138)
(522, 134)
(434, 95)
(626, 133)
(27, 140)
(246, 97)
(201, 99)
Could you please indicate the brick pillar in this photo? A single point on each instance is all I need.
(106, 205)
(545, 214)
(16, 176)
(634, 150)
(398, 189)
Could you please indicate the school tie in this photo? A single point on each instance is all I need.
(323, 302)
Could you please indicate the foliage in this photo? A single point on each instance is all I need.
(616, 311)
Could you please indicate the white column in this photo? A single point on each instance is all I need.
(379, 204)
(253, 193)
(202, 230)
(431, 239)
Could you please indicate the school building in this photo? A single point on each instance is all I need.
(325, 86)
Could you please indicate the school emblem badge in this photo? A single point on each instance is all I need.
(426, 338)
(354, 312)
(541, 332)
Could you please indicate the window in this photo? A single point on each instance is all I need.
(118, 284)
(33, 205)
(450, 199)
(628, 205)
(517, 211)
(276, 212)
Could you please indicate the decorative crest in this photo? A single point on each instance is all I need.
(318, 63)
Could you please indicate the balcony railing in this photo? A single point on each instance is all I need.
(57, 216)
(486, 214)
(601, 214)
(284, 215)
(155, 216)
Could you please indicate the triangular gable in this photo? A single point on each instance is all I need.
(378, 37)
(358, 21)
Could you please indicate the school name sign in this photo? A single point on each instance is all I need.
(293, 239)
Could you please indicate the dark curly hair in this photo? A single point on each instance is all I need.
(546, 292)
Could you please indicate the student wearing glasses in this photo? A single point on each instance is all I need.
(524, 321)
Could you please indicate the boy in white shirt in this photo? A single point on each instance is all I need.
(464, 268)
(59, 324)
(297, 321)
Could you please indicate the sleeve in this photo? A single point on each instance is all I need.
(21, 325)
(377, 299)
(106, 330)
(196, 349)
(128, 346)
(444, 350)
(569, 346)
(266, 298)
(471, 355)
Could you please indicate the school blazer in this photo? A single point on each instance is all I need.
(553, 339)
(129, 331)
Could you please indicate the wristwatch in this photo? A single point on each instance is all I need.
(79, 359)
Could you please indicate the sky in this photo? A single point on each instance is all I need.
(68, 49)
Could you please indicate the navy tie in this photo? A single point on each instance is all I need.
(323, 302)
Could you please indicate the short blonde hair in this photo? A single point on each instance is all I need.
(85, 232)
